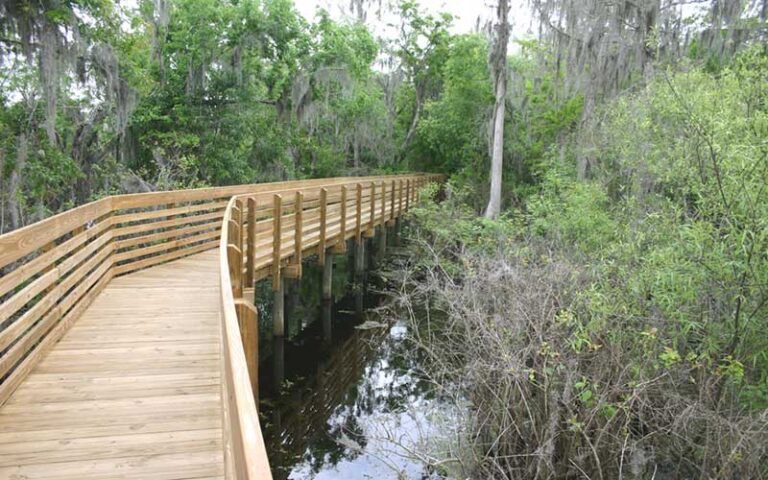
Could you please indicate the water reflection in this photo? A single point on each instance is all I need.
(343, 402)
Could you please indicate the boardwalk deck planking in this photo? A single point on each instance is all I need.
(132, 390)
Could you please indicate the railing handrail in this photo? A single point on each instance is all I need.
(25, 240)
(244, 451)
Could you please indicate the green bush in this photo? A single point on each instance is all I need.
(655, 342)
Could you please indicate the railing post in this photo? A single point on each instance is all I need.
(383, 202)
(251, 249)
(248, 320)
(340, 245)
(323, 226)
(240, 232)
(235, 250)
(400, 199)
(359, 214)
(372, 220)
(277, 222)
(278, 310)
(392, 205)
(407, 194)
(294, 269)
(359, 241)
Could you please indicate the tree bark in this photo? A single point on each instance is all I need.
(356, 155)
(14, 185)
(499, 69)
(420, 92)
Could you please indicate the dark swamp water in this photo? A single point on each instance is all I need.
(341, 394)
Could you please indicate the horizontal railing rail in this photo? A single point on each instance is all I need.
(52, 270)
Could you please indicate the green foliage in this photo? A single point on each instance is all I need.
(201, 93)
(449, 138)
(453, 131)
(669, 238)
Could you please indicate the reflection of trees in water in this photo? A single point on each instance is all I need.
(302, 410)
(312, 422)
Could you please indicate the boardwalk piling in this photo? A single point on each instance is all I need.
(278, 309)
(278, 363)
(359, 258)
(293, 290)
(327, 322)
(328, 278)
(383, 241)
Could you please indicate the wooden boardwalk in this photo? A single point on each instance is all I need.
(132, 390)
(128, 331)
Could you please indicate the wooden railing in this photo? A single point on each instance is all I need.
(268, 233)
(53, 269)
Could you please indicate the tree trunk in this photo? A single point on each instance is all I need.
(14, 185)
(420, 92)
(584, 160)
(499, 69)
(3, 198)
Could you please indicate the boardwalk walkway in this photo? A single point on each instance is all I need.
(128, 331)
(132, 390)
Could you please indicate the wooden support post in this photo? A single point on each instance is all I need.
(340, 246)
(248, 318)
(323, 226)
(299, 230)
(294, 269)
(250, 261)
(235, 250)
(391, 220)
(400, 199)
(383, 202)
(327, 322)
(359, 302)
(277, 231)
(359, 214)
(407, 194)
(235, 259)
(292, 294)
(359, 257)
(278, 309)
(240, 217)
(383, 241)
(328, 279)
(392, 203)
(372, 220)
(278, 366)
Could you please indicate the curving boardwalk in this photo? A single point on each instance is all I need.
(128, 335)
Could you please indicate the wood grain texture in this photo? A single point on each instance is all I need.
(132, 390)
